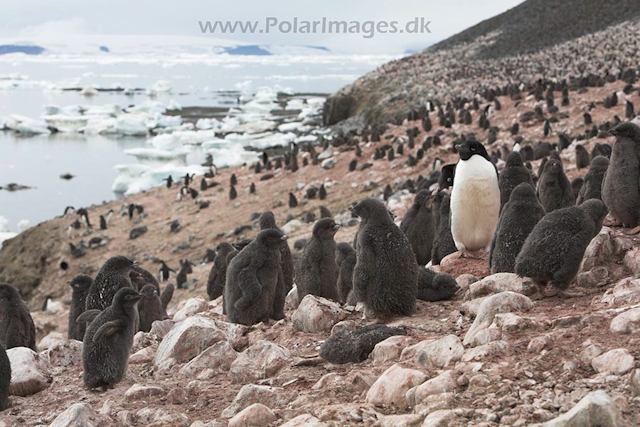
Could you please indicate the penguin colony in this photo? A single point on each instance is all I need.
(537, 225)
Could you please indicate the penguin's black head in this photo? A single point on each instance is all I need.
(241, 244)
(580, 148)
(126, 297)
(371, 208)
(326, 228)
(599, 163)
(553, 166)
(447, 174)
(514, 159)
(597, 211)
(80, 282)
(224, 247)
(267, 220)
(626, 130)
(469, 148)
(149, 291)
(343, 250)
(271, 238)
(119, 264)
(8, 293)
(523, 191)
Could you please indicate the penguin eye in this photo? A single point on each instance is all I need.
(473, 149)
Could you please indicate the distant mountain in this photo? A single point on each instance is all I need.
(95, 44)
(536, 24)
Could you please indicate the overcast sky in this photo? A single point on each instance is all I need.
(31, 17)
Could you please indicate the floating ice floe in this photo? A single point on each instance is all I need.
(27, 126)
(206, 124)
(134, 178)
(5, 234)
(161, 86)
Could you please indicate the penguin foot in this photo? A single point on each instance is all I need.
(473, 255)
(634, 231)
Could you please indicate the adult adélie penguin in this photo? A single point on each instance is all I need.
(475, 199)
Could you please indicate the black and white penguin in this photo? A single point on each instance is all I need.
(475, 199)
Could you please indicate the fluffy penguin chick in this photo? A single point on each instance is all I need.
(267, 220)
(418, 226)
(254, 291)
(554, 188)
(386, 275)
(443, 243)
(475, 199)
(218, 272)
(5, 378)
(346, 260)
(108, 340)
(514, 174)
(518, 217)
(355, 346)
(150, 308)
(112, 276)
(79, 289)
(16, 325)
(621, 186)
(592, 186)
(317, 271)
(553, 251)
(434, 286)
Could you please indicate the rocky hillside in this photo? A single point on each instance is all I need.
(494, 355)
(540, 39)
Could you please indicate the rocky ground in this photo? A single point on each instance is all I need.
(494, 355)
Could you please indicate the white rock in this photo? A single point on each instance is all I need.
(145, 355)
(65, 353)
(305, 420)
(317, 314)
(186, 340)
(504, 302)
(594, 410)
(262, 360)
(485, 351)
(248, 395)
(254, 416)
(441, 353)
(291, 226)
(160, 328)
(291, 300)
(627, 322)
(77, 415)
(443, 383)
(139, 392)
(626, 291)
(389, 350)
(328, 163)
(192, 306)
(512, 322)
(51, 340)
(485, 336)
(617, 362)
(29, 371)
(220, 355)
(500, 282)
(391, 387)
(440, 418)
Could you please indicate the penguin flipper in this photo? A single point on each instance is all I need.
(88, 316)
(250, 287)
(166, 296)
(108, 329)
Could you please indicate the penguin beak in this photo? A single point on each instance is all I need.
(336, 227)
(352, 208)
(284, 238)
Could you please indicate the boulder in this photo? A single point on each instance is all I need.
(305, 420)
(440, 353)
(186, 340)
(390, 349)
(626, 323)
(29, 371)
(140, 392)
(63, 353)
(594, 410)
(255, 415)
(328, 163)
(594, 278)
(602, 249)
(78, 414)
(485, 336)
(443, 383)
(317, 314)
(220, 355)
(512, 322)
(54, 338)
(191, 307)
(504, 302)
(145, 355)
(590, 352)
(248, 395)
(391, 387)
(262, 360)
(405, 420)
(291, 300)
(617, 362)
(485, 351)
(632, 261)
(626, 291)
(160, 328)
(500, 282)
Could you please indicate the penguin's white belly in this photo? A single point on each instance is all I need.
(475, 204)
